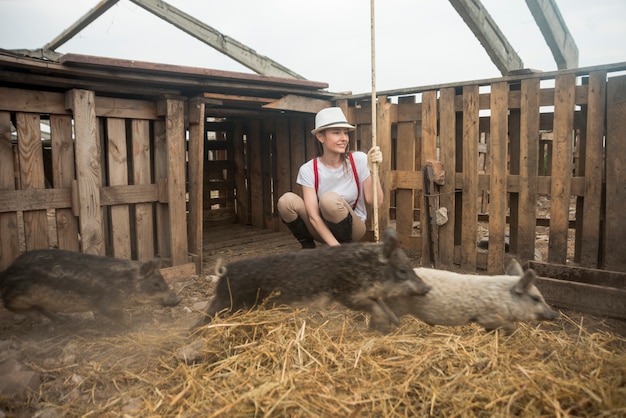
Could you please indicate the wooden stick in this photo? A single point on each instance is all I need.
(374, 165)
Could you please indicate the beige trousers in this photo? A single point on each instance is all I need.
(333, 209)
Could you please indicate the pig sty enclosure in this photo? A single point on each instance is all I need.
(133, 160)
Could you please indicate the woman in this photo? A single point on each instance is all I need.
(336, 185)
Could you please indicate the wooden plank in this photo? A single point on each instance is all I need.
(9, 235)
(469, 225)
(514, 168)
(592, 165)
(405, 160)
(115, 107)
(582, 297)
(478, 19)
(255, 170)
(210, 36)
(129, 194)
(237, 98)
(579, 274)
(32, 177)
(447, 146)
(88, 170)
(405, 180)
(63, 175)
(20, 100)
(144, 212)
(242, 192)
(297, 149)
(497, 162)
(178, 271)
(176, 165)
(195, 152)
(283, 163)
(160, 177)
(118, 176)
(383, 140)
(555, 32)
(268, 168)
(296, 103)
(615, 226)
(428, 151)
(35, 199)
(528, 155)
(561, 167)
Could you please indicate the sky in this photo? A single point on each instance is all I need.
(418, 42)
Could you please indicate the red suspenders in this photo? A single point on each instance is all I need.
(356, 178)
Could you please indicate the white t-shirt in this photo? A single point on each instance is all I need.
(339, 180)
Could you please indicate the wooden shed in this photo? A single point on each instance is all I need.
(110, 157)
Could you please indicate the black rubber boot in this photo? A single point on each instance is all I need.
(299, 230)
(342, 230)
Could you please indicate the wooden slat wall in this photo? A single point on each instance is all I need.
(103, 138)
(615, 229)
(529, 128)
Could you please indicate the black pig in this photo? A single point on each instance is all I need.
(50, 281)
(356, 275)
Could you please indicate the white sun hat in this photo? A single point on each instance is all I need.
(331, 117)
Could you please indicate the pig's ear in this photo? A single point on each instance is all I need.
(525, 281)
(390, 242)
(513, 267)
(148, 268)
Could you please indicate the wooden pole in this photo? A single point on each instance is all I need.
(375, 165)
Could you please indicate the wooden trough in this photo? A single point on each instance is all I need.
(592, 291)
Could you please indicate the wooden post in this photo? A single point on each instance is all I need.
(561, 167)
(118, 176)
(63, 176)
(9, 238)
(447, 145)
(592, 203)
(175, 144)
(615, 226)
(528, 167)
(497, 186)
(428, 152)
(469, 221)
(88, 170)
(195, 163)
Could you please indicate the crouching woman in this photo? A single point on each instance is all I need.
(336, 185)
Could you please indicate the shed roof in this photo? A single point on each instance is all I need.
(147, 80)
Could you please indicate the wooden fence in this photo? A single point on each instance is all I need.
(93, 174)
(525, 157)
(558, 140)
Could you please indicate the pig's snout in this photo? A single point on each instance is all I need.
(419, 290)
(549, 314)
(170, 299)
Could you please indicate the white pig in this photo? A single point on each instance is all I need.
(496, 301)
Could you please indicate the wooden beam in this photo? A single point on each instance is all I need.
(244, 55)
(555, 32)
(298, 104)
(237, 98)
(486, 30)
(80, 24)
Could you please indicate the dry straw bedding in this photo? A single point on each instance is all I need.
(312, 363)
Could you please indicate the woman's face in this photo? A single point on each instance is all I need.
(334, 140)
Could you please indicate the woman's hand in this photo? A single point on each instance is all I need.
(374, 156)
